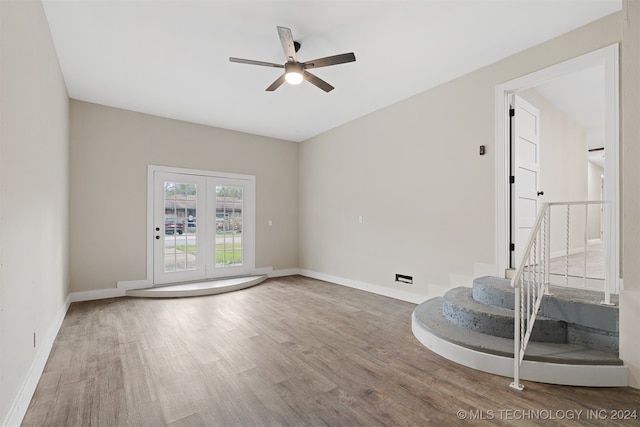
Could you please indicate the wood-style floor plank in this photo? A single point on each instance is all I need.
(290, 352)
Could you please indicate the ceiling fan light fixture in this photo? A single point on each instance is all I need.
(293, 73)
(293, 78)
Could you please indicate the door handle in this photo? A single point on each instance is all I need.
(540, 193)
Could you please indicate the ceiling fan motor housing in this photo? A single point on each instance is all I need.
(293, 72)
(293, 67)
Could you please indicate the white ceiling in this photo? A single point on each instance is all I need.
(171, 58)
(581, 95)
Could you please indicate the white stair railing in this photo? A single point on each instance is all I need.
(531, 279)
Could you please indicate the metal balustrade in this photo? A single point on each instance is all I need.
(531, 279)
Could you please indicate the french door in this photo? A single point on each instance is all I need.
(202, 223)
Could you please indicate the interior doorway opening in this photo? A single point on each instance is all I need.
(605, 141)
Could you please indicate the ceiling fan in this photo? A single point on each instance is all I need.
(294, 71)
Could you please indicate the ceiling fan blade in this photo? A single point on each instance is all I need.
(275, 85)
(252, 62)
(317, 81)
(331, 60)
(286, 38)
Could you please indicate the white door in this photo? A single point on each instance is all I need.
(230, 213)
(526, 174)
(203, 225)
(179, 253)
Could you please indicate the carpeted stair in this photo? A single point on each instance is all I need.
(574, 340)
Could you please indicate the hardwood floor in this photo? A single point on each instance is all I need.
(291, 351)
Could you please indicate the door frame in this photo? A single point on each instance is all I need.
(249, 205)
(607, 57)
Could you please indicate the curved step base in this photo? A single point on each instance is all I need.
(544, 372)
(461, 309)
(211, 287)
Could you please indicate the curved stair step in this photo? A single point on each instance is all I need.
(428, 315)
(494, 291)
(589, 322)
(553, 363)
(461, 309)
(582, 307)
(193, 289)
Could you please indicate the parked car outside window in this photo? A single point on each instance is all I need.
(173, 225)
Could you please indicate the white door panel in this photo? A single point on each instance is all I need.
(526, 171)
(230, 208)
(178, 199)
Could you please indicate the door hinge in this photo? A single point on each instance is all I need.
(512, 112)
(512, 246)
(512, 179)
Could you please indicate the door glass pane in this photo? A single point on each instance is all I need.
(180, 245)
(228, 226)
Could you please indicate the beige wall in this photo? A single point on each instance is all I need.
(630, 155)
(412, 170)
(428, 199)
(110, 151)
(34, 152)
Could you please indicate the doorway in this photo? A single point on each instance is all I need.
(608, 59)
(202, 225)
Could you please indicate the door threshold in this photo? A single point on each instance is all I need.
(193, 289)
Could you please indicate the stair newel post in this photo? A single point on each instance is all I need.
(527, 292)
(534, 252)
(546, 221)
(586, 244)
(516, 340)
(609, 280)
(566, 256)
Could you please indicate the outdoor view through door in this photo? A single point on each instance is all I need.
(180, 216)
(228, 226)
(202, 225)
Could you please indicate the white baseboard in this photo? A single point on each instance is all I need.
(97, 294)
(133, 284)
(561, 254)
(124, 286)
(399, 294)
(20, 404)
(262, 271)
(285, 272)
(144, 283)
